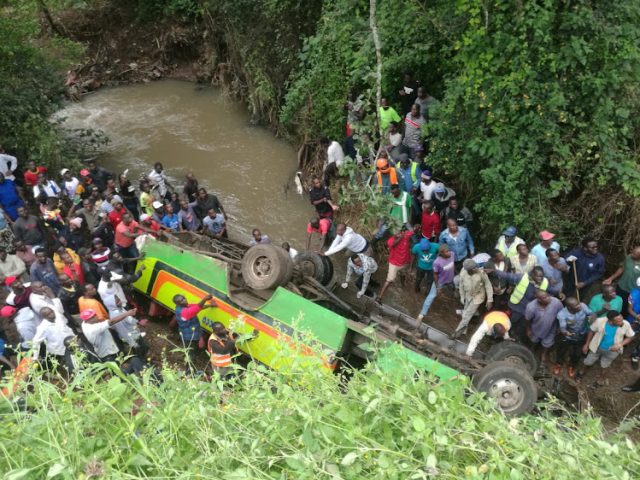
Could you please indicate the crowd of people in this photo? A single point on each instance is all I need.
(68, 258)
(547, 297)
(68, 254)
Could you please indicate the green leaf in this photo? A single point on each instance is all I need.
(348, 459)
(56, 469)
(419, 425)
(432, 397)
(17, 474)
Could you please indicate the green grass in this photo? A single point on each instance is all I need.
(294, 425)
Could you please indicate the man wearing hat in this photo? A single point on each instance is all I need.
(475, 289)
(11, 265)
(97, 333)
(508, 242)
(386, 175)
(441, 196)
(25, 321)
(425, 252)
(427, 185)
(546, 242)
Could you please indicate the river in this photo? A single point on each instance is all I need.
(193, 129)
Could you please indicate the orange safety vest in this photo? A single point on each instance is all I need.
(218, 360)
(392, 174)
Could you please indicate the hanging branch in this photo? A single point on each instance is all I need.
(376, 43)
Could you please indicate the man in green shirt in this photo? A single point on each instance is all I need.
(628, 272)
(601, 303)
(387, 114)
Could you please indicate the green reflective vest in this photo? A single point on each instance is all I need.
(522, 286)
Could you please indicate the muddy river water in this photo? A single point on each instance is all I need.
(191, 129)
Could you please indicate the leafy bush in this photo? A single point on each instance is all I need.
(303, 424)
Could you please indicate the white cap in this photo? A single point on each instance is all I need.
(64, 170)
(157, 204)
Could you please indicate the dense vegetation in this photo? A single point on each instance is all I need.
(301, 424)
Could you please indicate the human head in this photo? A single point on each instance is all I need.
(257, 235)
(357, 261)
(90, 291)
(522, 249)
(499, 331)
(443, 250)
(47, 314)
(635, 253)
(66, 258)
(87, 204)
(157, 167)
(212, 212)
(546, 237)
(22, 212)
(572, 304)
(590, 245)
(91, 164)
(543, 297)
(407, 77)
(16, 285)
(470, 266)
(393, 127)
(202, 194)
(422, 92)
(510, 233)
(19, 245)
(184, 205)
(404, 160)
(191, 177)
(315, 223)
(382, 165)
(497, 256)
(111, 184)
(98, 243)
(85, 254)
(415, 110)
(395, 190)
(3, 254)
(145, 186)
(89, 316)
(316, 182)
(537, 275)
(65, 173)
(146, 219)
(218, 330)
(453, 203)
(608, 292)
(41, 255)
(169, 208)
(615, 318)
(384, 103)
(117, 204)
(428, 206)
(75, 223)
(126, 219)
(552, 256)
(425, 177)
(37, 287)
(440, 189)
(286, 246)
(341, 228)
(425, 245)
(180, 301)
(452, 225)
(324, 142)
(64, 280)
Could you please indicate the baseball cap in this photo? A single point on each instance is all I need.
(7, 311)
(9, 280)
(546, 235)
(426, 174)
(157, 204)
(144, 217)
(84, 172)
(510, 231)
(87, 314)
(440, 188)
(64, 170)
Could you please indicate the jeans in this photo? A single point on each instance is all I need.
(424, 274)
(573, 348)
(129, 252)
(431, 296)
(469, 310)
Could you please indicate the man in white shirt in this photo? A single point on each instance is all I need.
(55, 335)
(8, 163)
(346, 238)
(427, 186)
(97, 333)
(159, 181)
(25, 321)
(70, 185)
(11, 265)
(111, 291)
(496, 324)
(363, 267)
(41, 297)
(335, 158)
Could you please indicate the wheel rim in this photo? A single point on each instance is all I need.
(308, 268)
(262, 267)
(508, 393)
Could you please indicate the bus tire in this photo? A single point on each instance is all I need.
(311, 265)
(263, 267)
(511, 386)
(515, 353)
(328, 270)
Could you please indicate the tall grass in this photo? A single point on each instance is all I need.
(300, 424)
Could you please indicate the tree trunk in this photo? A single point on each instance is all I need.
(47, 15)
(376, 42)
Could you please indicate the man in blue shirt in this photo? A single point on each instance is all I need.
(589, 265)
(554, 267)
(214, 224)
(426, 252)
(573, 320)
(171, 219)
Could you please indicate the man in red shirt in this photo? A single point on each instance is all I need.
(323, 227)
(115, 215)
(126, 232)
(399, 258)
(431, 222)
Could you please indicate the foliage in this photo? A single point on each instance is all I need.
(544, 106)
(31, 84)
(150, 10)
(303, 424)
